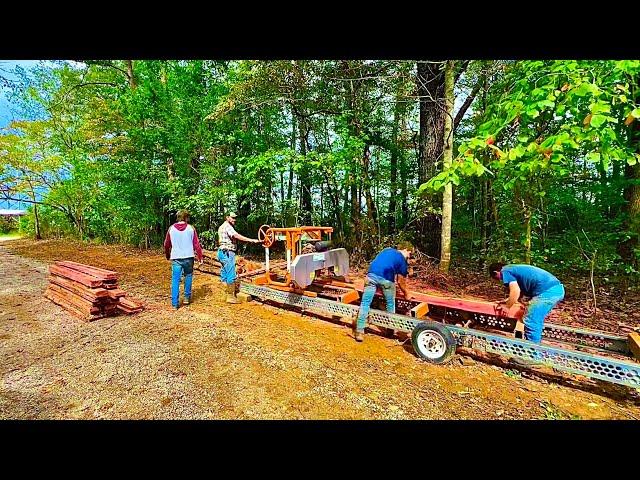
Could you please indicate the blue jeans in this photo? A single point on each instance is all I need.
(178, 267)
(228, 271)
(539, 308)
(371, 284)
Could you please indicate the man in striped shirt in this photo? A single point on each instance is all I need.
(227, 239)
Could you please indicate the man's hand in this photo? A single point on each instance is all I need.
(255, 240)
(502, 309)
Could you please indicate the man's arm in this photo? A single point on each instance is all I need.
(196, 245)
(402, 283)
(514, 294)
(245, 239)
(167, 246)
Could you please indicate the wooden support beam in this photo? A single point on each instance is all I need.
(349, 297)
(243, 297)
(634, 344)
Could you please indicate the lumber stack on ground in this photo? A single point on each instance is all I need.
(88, 292)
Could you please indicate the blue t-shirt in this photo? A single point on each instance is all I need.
(389, 263)
(531, 280)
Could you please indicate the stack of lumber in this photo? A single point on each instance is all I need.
(88, 292)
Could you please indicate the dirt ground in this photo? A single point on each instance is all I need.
(211, 360)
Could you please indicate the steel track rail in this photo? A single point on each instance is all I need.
(592, 366)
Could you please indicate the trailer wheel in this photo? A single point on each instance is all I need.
(433, 342)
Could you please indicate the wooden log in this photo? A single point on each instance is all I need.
(475, 306)
(76, 276)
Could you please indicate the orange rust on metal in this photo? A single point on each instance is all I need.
(420, 310)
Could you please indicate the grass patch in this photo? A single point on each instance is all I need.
(11, 236)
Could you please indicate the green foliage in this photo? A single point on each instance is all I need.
(8, 224)
(541, 161)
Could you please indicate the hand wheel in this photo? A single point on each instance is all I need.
(266, 235)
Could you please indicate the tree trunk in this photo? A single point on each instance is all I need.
(484, 221)
(37, 219)
(631, 210)
(372, 212)
(527, 238)
(430, 87)
(631, 194)
(305, 177)
(130, 75)
(393, 187)
(287, 204)
(447, 201)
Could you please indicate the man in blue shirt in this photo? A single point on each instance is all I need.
(544, 289)
(389, 264)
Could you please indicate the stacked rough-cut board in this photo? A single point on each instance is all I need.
(88, 292)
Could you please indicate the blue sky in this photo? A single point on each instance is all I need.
(6, 67)
(6, 116)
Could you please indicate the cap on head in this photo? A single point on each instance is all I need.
(232, 215)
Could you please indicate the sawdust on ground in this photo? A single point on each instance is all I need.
(211, 360)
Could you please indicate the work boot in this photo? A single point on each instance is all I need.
(359, 336)
(231, 294)
(187, 301)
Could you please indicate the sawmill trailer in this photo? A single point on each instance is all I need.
(317, 282)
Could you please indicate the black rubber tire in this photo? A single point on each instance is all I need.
(440, 331)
